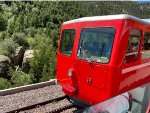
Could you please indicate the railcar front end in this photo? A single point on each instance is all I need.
(93, 60)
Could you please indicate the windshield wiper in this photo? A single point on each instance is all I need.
(86, 57)
(83, 51)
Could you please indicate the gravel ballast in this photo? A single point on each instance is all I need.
(22, 99)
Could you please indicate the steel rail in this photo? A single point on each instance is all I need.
(61, 109)
(79, 109)
(57, 110)
(35, 105)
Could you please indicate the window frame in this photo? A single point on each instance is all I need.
(139, 50)
(147, 59)
(69, 55)
(96, 28)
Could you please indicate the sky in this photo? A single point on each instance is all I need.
(143, 1)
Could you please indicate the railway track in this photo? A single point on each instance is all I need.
(35, 105)
(43, 97)
(54, 102)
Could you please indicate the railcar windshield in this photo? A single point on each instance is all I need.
(96, 44)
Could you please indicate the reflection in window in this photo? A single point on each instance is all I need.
(146, 46)
(67, 41)
(96, 44)
(117, 104)
(128, 102)
(133, 46)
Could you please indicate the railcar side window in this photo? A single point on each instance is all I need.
(146, 46)
(67, 41)
(96, 44)
(133, 46)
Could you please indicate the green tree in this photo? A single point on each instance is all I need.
(20, 39)
(49, 67)
(3, 23)
(11, 24)
(43, 63)
(7, 47)
(4, 35)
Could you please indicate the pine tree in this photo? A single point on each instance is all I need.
(3, 23)
(43, 63)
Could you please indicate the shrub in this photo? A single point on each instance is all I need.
(20, 39)
(3, 35)
(32, 42)
(7, 47)
(20, 78)
(4, 83)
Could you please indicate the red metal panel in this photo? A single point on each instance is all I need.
(97, 82)
(90, 94)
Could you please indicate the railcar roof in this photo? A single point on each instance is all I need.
(108, 17)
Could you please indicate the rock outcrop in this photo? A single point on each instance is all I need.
(5, 64)
(28, 55)
(19, 54)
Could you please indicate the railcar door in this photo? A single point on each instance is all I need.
(93, 54)
(64, 55)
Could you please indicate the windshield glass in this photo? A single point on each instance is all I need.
(96, 44)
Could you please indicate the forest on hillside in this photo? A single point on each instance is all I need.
(35, 25)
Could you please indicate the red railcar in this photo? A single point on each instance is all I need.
(103, 56)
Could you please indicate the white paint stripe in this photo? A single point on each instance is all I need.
(135, 68)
